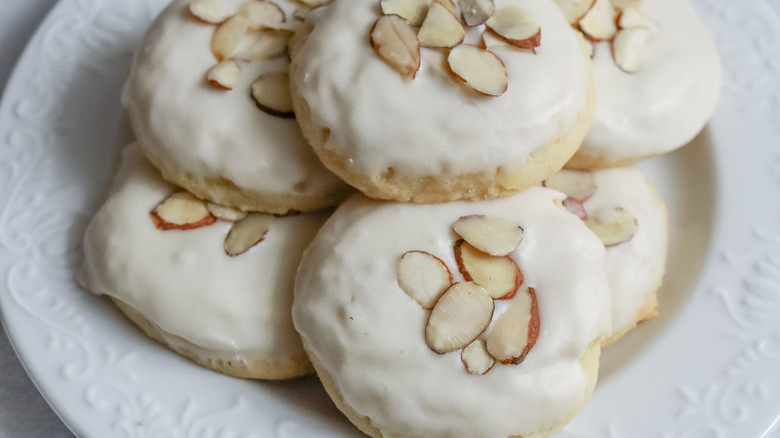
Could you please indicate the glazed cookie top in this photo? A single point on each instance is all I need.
(668, 100)
(379, 121)
(183, 280)
(621, 206)
(205, 131)
(364, 321)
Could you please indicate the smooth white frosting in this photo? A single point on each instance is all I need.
(212, 133)
(636, 267)
(668, 101)
(183, 281)
(369, 335)
(432, 125)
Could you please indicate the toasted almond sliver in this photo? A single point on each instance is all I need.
(271, 93)
(225, 213)
(500, 276)
(413, 11)
(613, 226)
(628, 48)
(227, 37)
(577, 184)
(460, 315)
(223, 75)
(518, 26)
(599, 23)
(494, 235)
(247, 233)
(423, 276)
(395, 41)
(181, 211)
(262, 14)
(476, 359)
(476, 12)
(257, 45)
(515, 332)
(210, 11)
(440, 28)
(480, 69)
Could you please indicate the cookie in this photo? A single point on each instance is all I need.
(216, 142)
(657, 81)
(625, 211)
(428, 135)
(415, 330)
(162, 257)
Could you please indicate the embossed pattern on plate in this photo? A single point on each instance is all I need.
(708, 366)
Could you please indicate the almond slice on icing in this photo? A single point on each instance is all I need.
(622, 5)
(599, 23)
(395, 41)
(576, 184)
(247, 233)
(225, 213)
(423, 276)
(181, 211)
(460, 315)
(476, 359)
(633, 17)
(500, 276)
(413, 11)
(210, 11)
(271, 93)
(613, 226)
(440, 28)
(262, 14)
(494, 235)
(515, 332)
(228, 36)
(490, 41)
(476, 12)
(223, 75)
(573, 10)
(480, 69)
(518, 26)
(257, 45)
(628, 48)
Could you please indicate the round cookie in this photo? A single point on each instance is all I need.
(227, 313)
(366, 317)
(666, 102)
(214, 142)
(433, 139)
(636, 237)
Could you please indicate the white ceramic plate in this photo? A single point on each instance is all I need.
(708, 366)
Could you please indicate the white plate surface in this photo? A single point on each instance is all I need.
(708, 366)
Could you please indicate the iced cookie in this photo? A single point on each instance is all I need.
(462, 319)
(213, 284)
(657, 73)
(624, 210)
(415, 109)
(225, 130)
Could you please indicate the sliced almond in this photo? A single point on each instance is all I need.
(247, 233)
(480, 69)
(492, 41)
(423, 276)
(476, 12)
(516, 331)
(460, 315)
(600, 22)
(210, 11)
(395, 41)
(518, 26)
(628, 48)
(223, 75)
(181, 211)
(271, 93)
(440, 28)
(257, 45)
(262, 14)
(228, 36)
(573, 10)
(413, 11)
(574, 206)
(476, 358)
(225, 213)
(576, 184)
(613, 226)
(633, 17)
(450, 5)
(491, 234)
(500, 276)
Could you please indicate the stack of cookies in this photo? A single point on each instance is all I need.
(492, 232)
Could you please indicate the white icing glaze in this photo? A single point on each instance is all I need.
(369, 334)
(634, 267)
(213, 133)
(183, 281)
(432, 125)
(668, 101)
